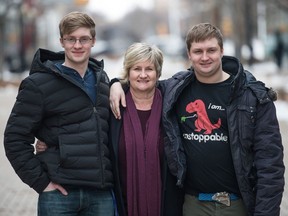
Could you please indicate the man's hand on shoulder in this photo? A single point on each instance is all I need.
(117, 95)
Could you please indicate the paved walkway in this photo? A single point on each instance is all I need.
(17, 199)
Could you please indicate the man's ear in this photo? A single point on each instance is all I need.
(188, 54)
(93, 41)
(61, 42)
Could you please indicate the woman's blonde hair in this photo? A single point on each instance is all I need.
(141, 52)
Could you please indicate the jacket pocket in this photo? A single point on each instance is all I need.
(246, 124)
(50, 160)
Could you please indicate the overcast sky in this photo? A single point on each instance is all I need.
(115, 9)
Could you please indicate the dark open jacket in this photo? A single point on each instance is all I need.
(54, 108)
(254, 136)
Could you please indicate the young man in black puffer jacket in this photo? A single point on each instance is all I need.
(64, 103)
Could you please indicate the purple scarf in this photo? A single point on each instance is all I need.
(142, 159)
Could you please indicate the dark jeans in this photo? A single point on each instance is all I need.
(78, 202)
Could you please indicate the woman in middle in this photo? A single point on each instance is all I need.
(143, 184)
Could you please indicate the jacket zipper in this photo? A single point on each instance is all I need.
(96, 116)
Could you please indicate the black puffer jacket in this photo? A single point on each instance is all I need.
(54, 108)
(254, 136)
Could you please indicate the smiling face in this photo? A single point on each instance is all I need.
(77, 53)
(205, 57)
(142, 78)
(204, 44)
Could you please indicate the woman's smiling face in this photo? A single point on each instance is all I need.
(143, 77)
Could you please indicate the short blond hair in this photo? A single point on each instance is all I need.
(74, 20)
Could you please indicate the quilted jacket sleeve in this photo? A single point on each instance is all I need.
(268, 161)
(19, 136)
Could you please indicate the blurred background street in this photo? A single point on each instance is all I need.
(256, 32)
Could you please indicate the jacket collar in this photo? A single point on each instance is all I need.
(44, 59)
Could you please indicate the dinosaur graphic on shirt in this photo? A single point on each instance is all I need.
(202, 122)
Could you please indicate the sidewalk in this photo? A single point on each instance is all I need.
(17, 199)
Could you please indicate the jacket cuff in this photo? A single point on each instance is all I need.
(114, 80)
